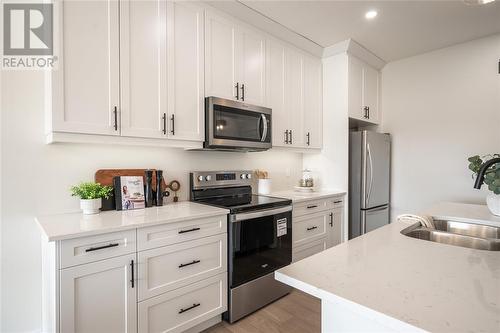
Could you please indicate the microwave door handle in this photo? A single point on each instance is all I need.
(263, 118)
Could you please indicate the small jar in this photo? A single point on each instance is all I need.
(307, 179)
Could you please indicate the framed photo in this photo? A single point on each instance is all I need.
(129, 192)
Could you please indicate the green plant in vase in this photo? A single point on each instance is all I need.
(91, 195)
(491, 179)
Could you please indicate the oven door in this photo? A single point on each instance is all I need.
(231, 124)
(259, 243)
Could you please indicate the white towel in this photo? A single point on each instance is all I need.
(426, 221)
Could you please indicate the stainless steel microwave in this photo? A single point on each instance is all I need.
(231, 125)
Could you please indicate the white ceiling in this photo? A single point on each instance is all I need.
(401, 29)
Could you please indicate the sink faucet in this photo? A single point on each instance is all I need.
(482, 171)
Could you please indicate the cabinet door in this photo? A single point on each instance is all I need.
(294, 101)
(86, 99)
(275, 85)
(355, 89)
(99, 297)
(250, 60)
(334, 234)
(143, 68)
(313, 136)
(186, 107)
(370, 93)
(220, 69)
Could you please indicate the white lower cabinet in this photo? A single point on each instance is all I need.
(183, 308)
(105, 283)
(169, 267)
(317, 226)
(99, 297)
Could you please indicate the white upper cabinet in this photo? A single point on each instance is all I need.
(313, 115)
(220, 49)
(363, 90)
(186, 99)
(234, 61)
(294, 84)
(251, 64)
(143, 68)
(85, 88)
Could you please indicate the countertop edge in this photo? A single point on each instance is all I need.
(382, 318)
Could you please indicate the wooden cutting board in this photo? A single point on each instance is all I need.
(105, 176)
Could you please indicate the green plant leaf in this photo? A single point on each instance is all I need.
(90, 190)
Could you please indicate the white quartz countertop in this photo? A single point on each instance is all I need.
(306, 196)
(73, 225)
(459, 212)
(430, 286)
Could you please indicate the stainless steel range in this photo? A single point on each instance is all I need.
(259, 238)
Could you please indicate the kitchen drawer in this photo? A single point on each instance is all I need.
(309, 207)
(183, 308)
(309, 249)
(309, 228)
(170, 267)
(335, 202)
(167, 234)
(83, 250)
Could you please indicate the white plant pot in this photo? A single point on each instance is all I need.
(264, 186)
(493, 203)
(90, 206)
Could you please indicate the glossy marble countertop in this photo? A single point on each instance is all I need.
(469, 213)
(73, 225)
(398, 279)
(296, 196)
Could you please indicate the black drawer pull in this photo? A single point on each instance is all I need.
(101, 247)
(189, 263)
(188, 230)
(312, 206)
(338, 201)
(312, 228)
(191, 307)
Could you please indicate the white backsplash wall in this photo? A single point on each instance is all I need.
(36, 178)
(440, 108)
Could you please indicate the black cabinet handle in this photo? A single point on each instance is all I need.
(164, 118)
(237, 90)
(191, 307)
(190, 263)
(331, 219)
(312, 206)
(312, 228)
(242, 91)
(188, 230)
(337, 201)
(368, 110)
(115, 113)
(308, 138)
(132, 280)
(101, 247)
(286, 137)
(173, 124)
(291, 137)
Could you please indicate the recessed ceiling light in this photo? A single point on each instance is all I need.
(477, 2)
(371, 14)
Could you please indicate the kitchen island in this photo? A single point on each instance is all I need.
(386, 281)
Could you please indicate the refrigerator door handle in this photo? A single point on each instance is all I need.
(370, 161)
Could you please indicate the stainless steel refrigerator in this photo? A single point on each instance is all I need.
(369, 181)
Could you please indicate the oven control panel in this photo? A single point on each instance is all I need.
(201, 179)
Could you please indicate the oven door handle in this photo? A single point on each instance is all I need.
(264, 125)
(260, 213)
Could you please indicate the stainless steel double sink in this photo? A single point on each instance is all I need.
(474, 236)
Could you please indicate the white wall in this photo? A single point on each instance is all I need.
(440, 108)
(36, 178)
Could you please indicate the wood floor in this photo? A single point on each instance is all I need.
(295, 313)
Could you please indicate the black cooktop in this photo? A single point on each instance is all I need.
(237, 199)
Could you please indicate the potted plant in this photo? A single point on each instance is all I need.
(491, 179)
(91, 195)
